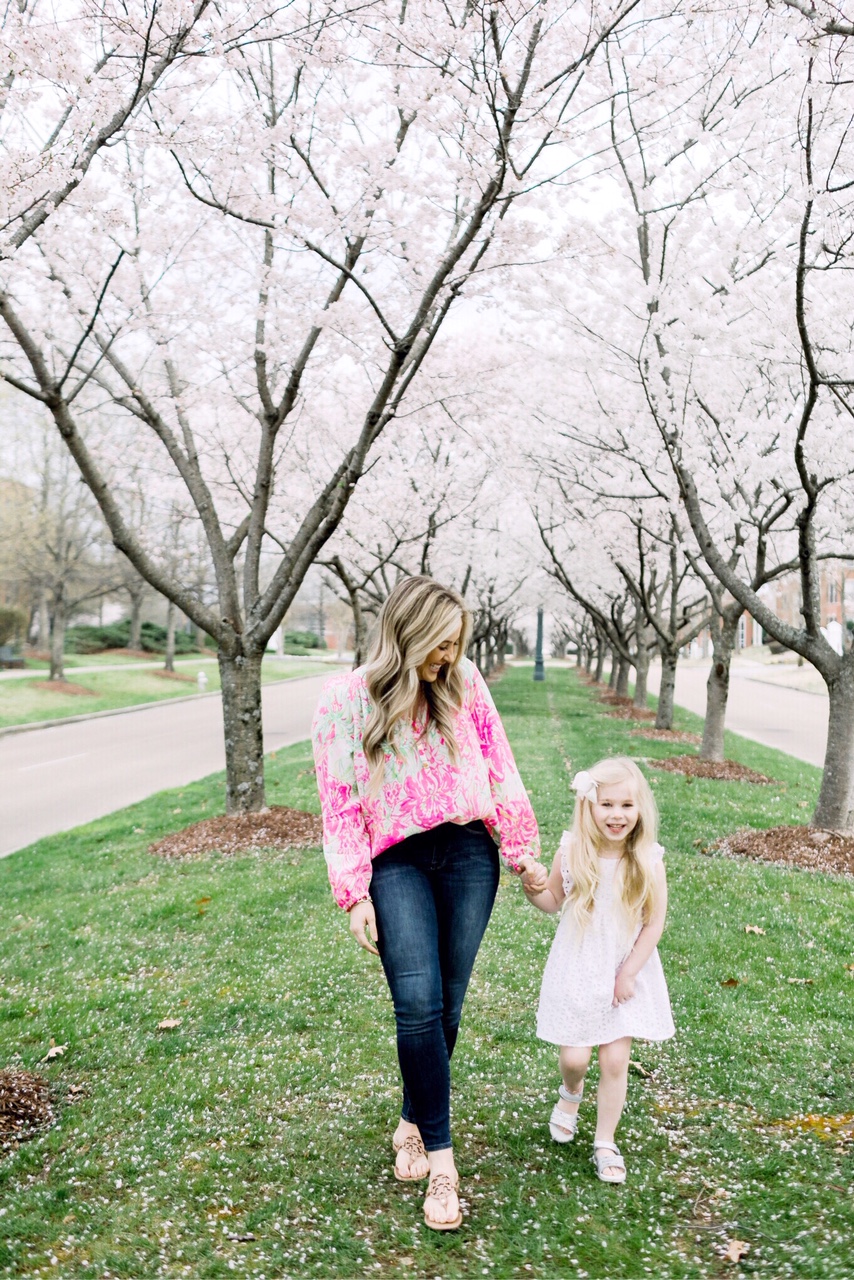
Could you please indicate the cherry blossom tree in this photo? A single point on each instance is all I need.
(417, 504)
(764, 470)
(272, 254)
(73, 86)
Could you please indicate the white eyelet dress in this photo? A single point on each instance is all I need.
(578, 983)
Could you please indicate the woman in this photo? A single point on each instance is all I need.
(416, 780)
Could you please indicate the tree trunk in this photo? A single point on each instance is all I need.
(169, 664)
(244, 733)
(201, 638)
(134, 638)
(57, 639)
(664, 718)
(612, 679)
(835, 808)
(623, 669)
(44, 620)
(724, 631)
(600, 661)
(360, 632)
(641, 672)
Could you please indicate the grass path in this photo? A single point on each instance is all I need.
(254, 1139)
(23, 702)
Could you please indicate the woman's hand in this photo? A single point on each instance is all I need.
(534, 875)
(624, 988)
(362, 920)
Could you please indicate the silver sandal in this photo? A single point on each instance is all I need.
(607, 1156)
(563, 1124)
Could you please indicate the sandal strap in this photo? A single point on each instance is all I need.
(564, 1120)
(441, 1187)
(413, 1146)
(564, 1093)
(607, 1156)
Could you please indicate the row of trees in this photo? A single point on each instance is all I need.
(702, 449)
(56, 557)
(366, 287)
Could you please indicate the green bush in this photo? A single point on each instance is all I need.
(12, 624)
(299, 640)
(115, 636)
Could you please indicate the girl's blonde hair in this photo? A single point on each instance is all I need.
(635, 882)
(417, 616)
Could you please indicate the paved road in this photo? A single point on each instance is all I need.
(54, 779)
(758, 708)
(34, 673)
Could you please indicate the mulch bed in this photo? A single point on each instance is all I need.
(631, 713)
(25, 1106)
(666, 735)
(62, 686)
(613, 699)
(173, 675)
(720, 770)
(277, 828)
(809, 847)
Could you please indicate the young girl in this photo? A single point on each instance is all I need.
(603, 982)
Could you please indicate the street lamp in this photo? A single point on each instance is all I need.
(539, 670)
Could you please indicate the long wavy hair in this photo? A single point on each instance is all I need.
(635, 881)
(417, 616)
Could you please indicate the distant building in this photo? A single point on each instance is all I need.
(784, 598)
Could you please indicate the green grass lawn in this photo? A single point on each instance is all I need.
(255, 1138)
(22, 702)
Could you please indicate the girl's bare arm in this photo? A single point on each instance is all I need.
(551, 895)
(646, 941)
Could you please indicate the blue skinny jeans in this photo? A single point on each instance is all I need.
(433, 896)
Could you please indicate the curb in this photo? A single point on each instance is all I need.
(32, 725)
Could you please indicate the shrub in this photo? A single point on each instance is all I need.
(299, 640)
(13, 623)
(97, 639)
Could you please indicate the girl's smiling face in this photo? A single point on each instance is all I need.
(615, 812)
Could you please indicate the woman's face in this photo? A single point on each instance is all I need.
(444, 653)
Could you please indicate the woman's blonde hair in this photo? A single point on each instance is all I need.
(417, 616)
(635, 882)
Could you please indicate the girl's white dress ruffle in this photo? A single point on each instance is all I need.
(578, 983)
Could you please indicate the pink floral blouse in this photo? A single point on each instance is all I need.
(422, 786)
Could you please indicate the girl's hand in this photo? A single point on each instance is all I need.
(534, 875)
(624, 988)
(363, 926)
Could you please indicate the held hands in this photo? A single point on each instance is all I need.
(624, 988)
(534, 875)
(363, 926)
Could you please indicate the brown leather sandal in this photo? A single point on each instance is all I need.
(414, 1147)
(442, 1188)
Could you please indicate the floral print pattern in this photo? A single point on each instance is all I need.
(422, 786)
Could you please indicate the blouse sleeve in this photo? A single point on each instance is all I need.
(516, 824)
(346, 843)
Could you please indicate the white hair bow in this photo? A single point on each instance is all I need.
(583, 784)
